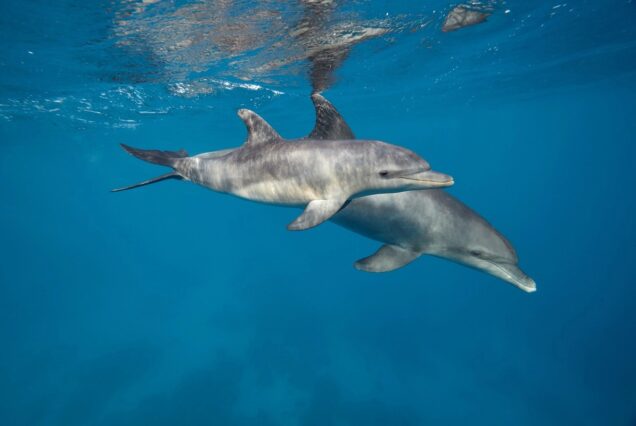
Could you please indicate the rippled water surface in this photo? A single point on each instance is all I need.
(178, 306)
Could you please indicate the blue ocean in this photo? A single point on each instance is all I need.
(175, 305)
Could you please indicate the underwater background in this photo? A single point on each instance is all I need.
(173, 305)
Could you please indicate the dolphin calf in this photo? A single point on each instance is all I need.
(321, 177)
(414, 223)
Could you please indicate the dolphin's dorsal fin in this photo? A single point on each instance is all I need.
(329, 123)
(258, 130)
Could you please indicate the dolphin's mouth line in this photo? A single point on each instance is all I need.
(432, 182)
(496, 265)
(510, 276)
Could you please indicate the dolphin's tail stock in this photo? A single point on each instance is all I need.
(163, 158)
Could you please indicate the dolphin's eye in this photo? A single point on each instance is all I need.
(384, 173)
(476, 253)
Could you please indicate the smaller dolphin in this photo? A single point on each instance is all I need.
(318, 176)
(461, 17)
(411, 224)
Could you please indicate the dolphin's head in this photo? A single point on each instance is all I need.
(480, 246)
(398, 169)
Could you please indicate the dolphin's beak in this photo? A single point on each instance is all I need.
(515, 276)
(430, 179)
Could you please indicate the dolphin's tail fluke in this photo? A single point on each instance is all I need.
(171, 175)
(163, 158)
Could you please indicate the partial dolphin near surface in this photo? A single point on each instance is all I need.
(462, 16)
(320, 176)
(414, 223)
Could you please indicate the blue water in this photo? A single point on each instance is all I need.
(179, 306)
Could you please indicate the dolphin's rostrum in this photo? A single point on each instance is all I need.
(318, 176)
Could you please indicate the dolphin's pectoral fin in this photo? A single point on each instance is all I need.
(387, 258)
(316, 212)
(329, 122)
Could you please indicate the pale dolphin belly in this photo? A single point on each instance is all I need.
(281, 193)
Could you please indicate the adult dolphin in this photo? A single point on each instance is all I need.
(414, 223)
(321, 177)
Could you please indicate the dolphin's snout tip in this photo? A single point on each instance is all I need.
(529, 286)
(438, 180)
(524, 283)
(430, 179)
(511, 273)
(443, 184)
